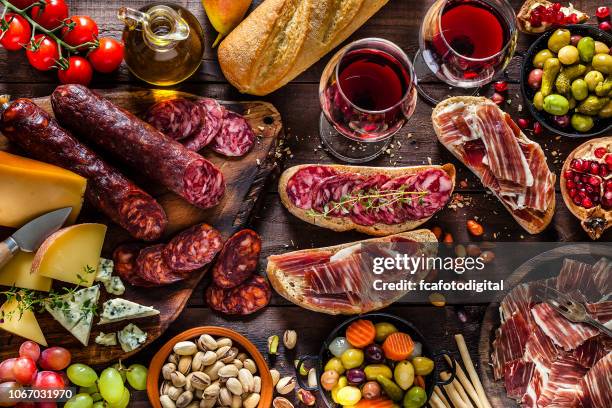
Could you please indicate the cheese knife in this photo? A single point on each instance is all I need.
(29, 237)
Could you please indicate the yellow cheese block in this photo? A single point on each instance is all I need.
(72, 254)
(22, 323)
(29, 188)
(17, 272)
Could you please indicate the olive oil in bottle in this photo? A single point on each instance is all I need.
(164, 43)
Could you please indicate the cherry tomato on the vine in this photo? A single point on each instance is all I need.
(21, 4)
(79, 30)
(15, 32)
(108, 56)
(51, 15)
(78, 72)
(42, 52)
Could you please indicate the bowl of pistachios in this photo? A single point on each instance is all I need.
(209, 367)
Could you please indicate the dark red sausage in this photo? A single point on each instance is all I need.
(238, 259)
(138, 144)
(35, 131)
(193, 248)
(151, 267)
(124, 258)
(245, 299)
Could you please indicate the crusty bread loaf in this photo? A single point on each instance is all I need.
(543, 219)
(282, 38)
(345, 223)
(292, 287)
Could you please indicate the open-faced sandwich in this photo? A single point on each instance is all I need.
(490, 144)
(374, 200)
(537, 16)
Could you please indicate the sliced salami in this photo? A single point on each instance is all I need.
(238, 259)
(124, 258)
(212, 113)
(193, 248)
(437, 186)
(236, 138)
(300, 185)
(204, 184)
(364, 211)
(176, 118)
(245, 299)
(151, 267)
(327, 194)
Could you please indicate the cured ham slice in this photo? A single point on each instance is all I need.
(562, 382)
(517, 375)
(518, 300)
(601, 311)
(540, 348)
(602, 275)
(578, 276)
(593, 350)
(561, 331)
(509, 344)
(596, 386)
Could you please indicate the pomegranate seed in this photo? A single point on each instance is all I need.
(535, 20)
(556, 6)
(594, 181)
(580, 185)
(603, 170)
(586, 202)
(572, 192)
(498, 99)
(523, 123)
(570, 184)
(595, 199)
(605, 26)
(584, 166)
(559, 17)
(589, 189)
(594, 168)
(571, 19)
(609, 185)
(602, 12)
(600, 152)
(609, 160)
(540, 9)
(584, 178)
(576, 164)
(568, 174)
(577, 200)
(537, 128)
(501, 86)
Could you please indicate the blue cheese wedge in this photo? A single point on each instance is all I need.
(115, 310)
(106, 339)
(115, 286)
(75, 311)
(105, 270)
(131, 337)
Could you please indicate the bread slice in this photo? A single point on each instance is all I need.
(292, 287)
(540, 220)
(341, 224)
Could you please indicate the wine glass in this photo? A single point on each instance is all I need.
(367, 93)
(464, 43)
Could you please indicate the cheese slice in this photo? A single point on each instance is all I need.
(22, 323)
(17, 273)
(106, 339)
(131, 337)
(71, 254)
(115, 310)
(74, 311)
(29, 188)
(105, 270)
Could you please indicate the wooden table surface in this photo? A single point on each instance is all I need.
(399, 22)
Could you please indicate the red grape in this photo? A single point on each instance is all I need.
(6, 370)
(5, 389)
(602, 12)
(29, 349)
(48, 404)
(24, 370)
(49, 379)
(54, 358)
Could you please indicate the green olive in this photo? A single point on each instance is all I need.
(404, 374)
(601, 48)
(582, 123)
(580, 90)
(586, 48)
(568, 55)
(602, 63)
(423, 365)
(603, 88)
(559, 39)
(538, 101)
(334, 364)
(572, 103)
(416, 397)
(592, 105)
(541, 57)
(374, 370)
(556, 104)
(352, 358)
(606, 111)
(592, 79)
(383, 330)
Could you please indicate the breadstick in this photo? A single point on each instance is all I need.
(467, 385)
(452, 392)
(469, 366)
(440, 394)
(462, 393)
(436, 402)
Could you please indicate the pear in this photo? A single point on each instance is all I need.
(225, 15)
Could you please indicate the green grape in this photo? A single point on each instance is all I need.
(79, 401)
(96, 396)
(99, 404)
(111, 385)
(125, 400)
(82, 375)
(121, 368)
(92, 389)
(137, 376)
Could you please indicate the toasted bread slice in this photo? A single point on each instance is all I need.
(531, 220)
(292, 287)
(341, 224)
(524, 14)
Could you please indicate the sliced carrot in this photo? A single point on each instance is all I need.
(375, 403)
(398, 346)
(361, 333)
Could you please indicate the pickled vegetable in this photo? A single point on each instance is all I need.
(569, 55)
(352, 358)
(574, 71)
(580, 90)
(423, 365)
(416, 397)
(586, 49)
(582, 123)
(383, 330)
(334, 364)
(535, 78)
(591, 105)
(602, 63)
(371, 390)
(361, 333)
(374, 354)
(562, 84)
(556, 104)
(329, 379)
(348, 395)
(606, 111)
(538, 101)
(552, 66)
(592, 79)
(342, 382)
(601, 48)
(355, 376)
(559, 39)
(404, 374)
(374, 370)
(392, 390)
(338, 346)
(603, 88)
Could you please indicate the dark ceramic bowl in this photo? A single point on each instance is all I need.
(402, 325)
(601, 125)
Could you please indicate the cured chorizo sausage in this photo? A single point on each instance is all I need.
(238, 259)
(193, 248)
(212, 119)
(245, 299)
(151, 267)
(124, 258)
(139, 145)
(176, 118)
(236, 138)
(35, 131)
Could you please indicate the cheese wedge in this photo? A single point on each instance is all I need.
(74, 311)
(71, 254)
(17, 273)
(29, 188)
(115, 310)
(21, 323)
(131, 337)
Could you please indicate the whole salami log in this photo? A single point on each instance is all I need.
(238, 259)
(193, 248)
(245, 299)
(151, 267)
(124, 258)
(35, 131)
(139, 145)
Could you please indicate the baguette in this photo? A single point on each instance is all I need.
(533, 221)
(282, 38)
(293, 288)
(341, 224)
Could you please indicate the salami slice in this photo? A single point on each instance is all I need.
(394, 213)
(212, 119)
(364, 211)
(151, 267)
(238, 259)
(193, 248)
(176, 118)
(245, 299)
(203, 183)
(236, 138)
(299, 186)
(328, 193)
(124, 258)
(437, 186)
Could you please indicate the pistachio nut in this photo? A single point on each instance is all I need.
(280, 402)
(208, 403)
(285, 385)
(184, 365)
(198, 394)
(236, 402)
(242, 356)
(229, 355)
(188, 386)
(200, 380)
(250, 365)
(178, 379)
(168, 369)
(174, 392)
(228, 371)
(173, 358)
(225, 397)
(257, 384)
(193, 404)
(246, 379)
(212, 391)
(213, 370)
(306, 397)
(224, 341)
(290, 339)
(209, 358)
(166, 402)
(234, 385)
(238, 363)
(273, 345)
(251, 400)
(275, 376)
(197, 363)
(207, 342)
(185, 348)
(184, 399)
(222, 352)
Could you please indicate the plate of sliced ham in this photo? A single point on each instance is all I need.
(530, 355)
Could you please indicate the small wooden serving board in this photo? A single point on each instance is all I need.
(245, 177)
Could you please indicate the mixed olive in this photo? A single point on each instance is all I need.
(376, 365)
(573, 80)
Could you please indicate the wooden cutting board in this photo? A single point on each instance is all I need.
(548, 261)
(245, 178)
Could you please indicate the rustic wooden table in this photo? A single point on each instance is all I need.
(298, 103)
